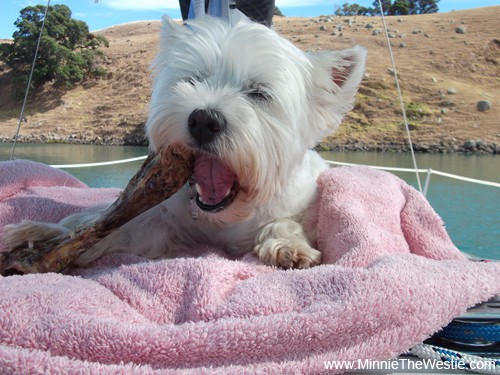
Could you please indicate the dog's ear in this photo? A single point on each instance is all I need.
(348, 69)
(170, 28)
(336, 78)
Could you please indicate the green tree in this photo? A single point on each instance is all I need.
(400, 7)
(386, 6)
(352, 10)
(404, 7)
(67, 54)
(427, 6)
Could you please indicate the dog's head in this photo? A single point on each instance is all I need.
(249, 103)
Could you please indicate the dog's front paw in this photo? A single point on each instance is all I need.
(287, 254)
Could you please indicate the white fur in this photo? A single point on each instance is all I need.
(211, 65)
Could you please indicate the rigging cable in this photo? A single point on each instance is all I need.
(21, 116)
(400, 95)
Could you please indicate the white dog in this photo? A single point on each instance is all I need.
(250, 105)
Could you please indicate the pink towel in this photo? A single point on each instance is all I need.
(34, 191)
(392, 279)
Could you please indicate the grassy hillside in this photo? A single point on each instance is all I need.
(443, 75)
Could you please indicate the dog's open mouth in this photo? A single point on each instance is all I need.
(215, 183)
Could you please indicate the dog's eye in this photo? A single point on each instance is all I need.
(258, 94)
(192, 80)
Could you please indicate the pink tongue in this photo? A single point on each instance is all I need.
(214, 179)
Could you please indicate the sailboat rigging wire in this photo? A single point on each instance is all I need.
(21, 116)
(400, 96)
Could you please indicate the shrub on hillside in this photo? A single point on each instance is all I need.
(67, 53)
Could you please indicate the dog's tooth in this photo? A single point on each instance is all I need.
(227, 192)
(198, 189)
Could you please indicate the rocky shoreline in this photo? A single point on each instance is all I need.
(81, 139)
(476, 147)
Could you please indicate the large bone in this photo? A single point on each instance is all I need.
(159, 177)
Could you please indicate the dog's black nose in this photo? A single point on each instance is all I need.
(205, 125)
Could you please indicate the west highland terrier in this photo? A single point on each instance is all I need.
(250, 105)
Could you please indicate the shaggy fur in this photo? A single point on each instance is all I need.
(251, 106)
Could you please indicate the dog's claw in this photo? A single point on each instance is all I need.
(297, 257)
(286, 254)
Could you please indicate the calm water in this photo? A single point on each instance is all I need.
(471, 212)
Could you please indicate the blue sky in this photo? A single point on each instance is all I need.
(106, 13)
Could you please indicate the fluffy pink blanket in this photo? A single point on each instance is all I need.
(391, 278)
